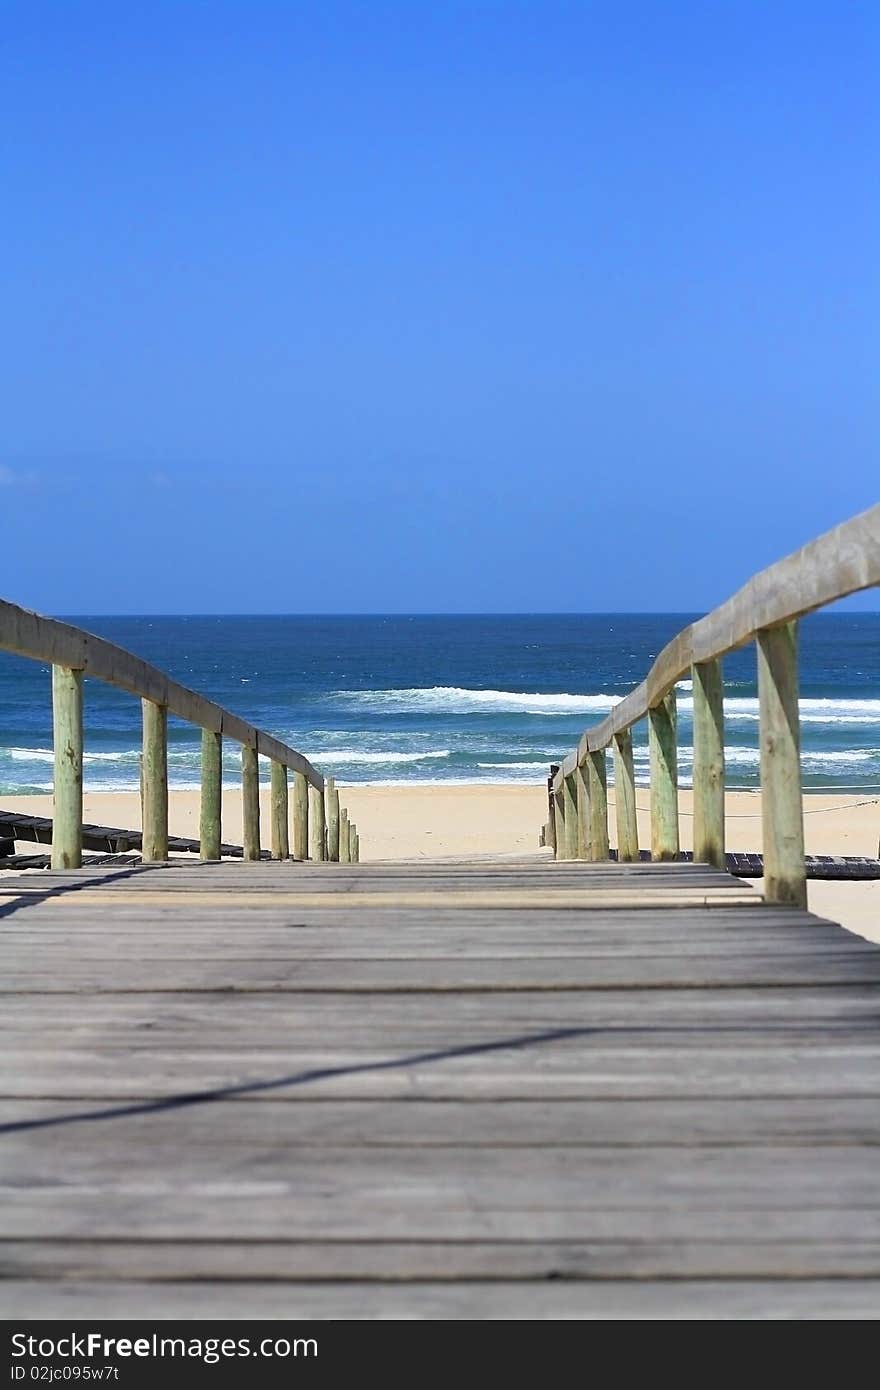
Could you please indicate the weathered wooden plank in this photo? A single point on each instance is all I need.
(831, 1299)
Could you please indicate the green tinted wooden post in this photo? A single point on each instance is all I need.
(582, 802)
(597, 791)
(708, 763)
(550, 835)
(210, 807)
(353, 843)
(781, 797)
(250, 802)
(625, 799)
(279, 810)
(300, 816)
(154, 846)
(570, 816)
(344, 837)
(331, 797)
(559, 822)
(356, 848)
(67, 814)
(664, 779)
(316, 825)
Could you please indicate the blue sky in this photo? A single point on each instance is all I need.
(432, 307)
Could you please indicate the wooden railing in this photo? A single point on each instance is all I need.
(321, 827)
(766, 610)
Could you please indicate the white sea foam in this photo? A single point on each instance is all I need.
(356, 755)
(455, 699)
(517, 767)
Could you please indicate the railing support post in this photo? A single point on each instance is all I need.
(781, 796)
(708, 763)
(570, 816)
(154, 843)
(582, 801)
(250, 802)
(300, 816)
(550, 837)
(67, 814)
(344, 837)
(354, 850)
(210, 804)
(316, 825)
(279, 807)
(331, 796)
(597, 791)
(664, 779)
(559, 834)
(625, 799)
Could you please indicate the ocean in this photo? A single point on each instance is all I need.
(440, 699)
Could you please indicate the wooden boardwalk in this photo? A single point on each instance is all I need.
(491, 1089)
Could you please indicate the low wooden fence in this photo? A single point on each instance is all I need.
(765, 611)
(321, 828)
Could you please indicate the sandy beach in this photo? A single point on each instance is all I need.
(407, 821)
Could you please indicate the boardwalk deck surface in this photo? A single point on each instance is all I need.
(490, 1089)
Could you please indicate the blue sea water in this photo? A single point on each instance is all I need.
(440, 699)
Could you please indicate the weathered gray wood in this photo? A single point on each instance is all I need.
(154, 846)
(344, 837)
(597, 788)
(316, 825)
(781, 797)
(300, 817)
(250, 803)
(332, 817)
(708, 686)
(279, 803)
(211, 801)
(625, 799)
(67, 718)
(570, 818)
(664, 779)
(354, 853)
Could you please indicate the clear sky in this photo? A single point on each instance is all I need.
(434, 306)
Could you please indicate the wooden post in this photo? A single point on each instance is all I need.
(625, 799)
(210, 807)
(708, 763)
(570, 816)
(781, 797)
(356, 849)
(560, 843)
(344, 838)
(279, 809)
(300, 816)
(597, 792)
(154, 845)
(316, 825)
(551, 802)
(331, 797)
(582, 801)
(250, 802)
(67, 815)
(353, 843)
(664, 779)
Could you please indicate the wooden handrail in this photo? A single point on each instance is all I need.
(73, 653)
(841, 562)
